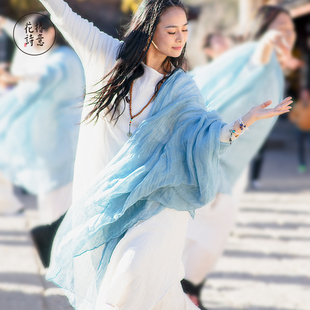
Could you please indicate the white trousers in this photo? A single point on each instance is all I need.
(146, 267)
(8, 201)
(207, 234)
(54, 204)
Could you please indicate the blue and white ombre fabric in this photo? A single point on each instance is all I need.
(171, 161)
(39, 124)
(232, 85)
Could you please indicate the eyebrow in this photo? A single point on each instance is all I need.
(176, 26)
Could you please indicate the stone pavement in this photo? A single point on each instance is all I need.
(22, 282)
(266, 263)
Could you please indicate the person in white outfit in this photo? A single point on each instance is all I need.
(273, 37)
(39, 120)
(126, 253)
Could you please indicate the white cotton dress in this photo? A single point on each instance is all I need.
(146, 266)
(208, 233)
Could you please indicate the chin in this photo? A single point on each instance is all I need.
(176, 54)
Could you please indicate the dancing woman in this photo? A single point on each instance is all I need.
(147, 157)
(229, 84)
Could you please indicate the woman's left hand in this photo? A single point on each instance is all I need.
(261, 112)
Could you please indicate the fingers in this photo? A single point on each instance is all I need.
(289, 98)
(287, 101)
(284, 101)
(281, 112)
(282, 47)
(284, 104)
(266, 104)
(282, 108)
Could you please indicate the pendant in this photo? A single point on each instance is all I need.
(129, 134)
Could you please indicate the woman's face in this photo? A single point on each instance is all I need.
(171, 33)
(219, 44)
(283, 24)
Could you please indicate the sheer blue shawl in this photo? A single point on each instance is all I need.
(39, 124)
(232, 85)
(172, 159)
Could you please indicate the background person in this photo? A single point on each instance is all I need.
(38, 125)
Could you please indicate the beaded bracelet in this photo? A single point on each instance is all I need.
(241, 124)
(232, 132)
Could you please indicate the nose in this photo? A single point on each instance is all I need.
(179, 37)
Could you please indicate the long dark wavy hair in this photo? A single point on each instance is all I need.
(265, 15)
(131, 53)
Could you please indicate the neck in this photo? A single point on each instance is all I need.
(154, 59)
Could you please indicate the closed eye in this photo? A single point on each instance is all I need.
(186, 30)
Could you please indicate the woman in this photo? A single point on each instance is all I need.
(215, 44)
(38, 125)
(254, 69)
(141, 166)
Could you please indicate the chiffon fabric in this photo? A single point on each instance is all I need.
(39, 124)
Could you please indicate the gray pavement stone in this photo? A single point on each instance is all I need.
(22, 276)
(21, 285)
(266, 265)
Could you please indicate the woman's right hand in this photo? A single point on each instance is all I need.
(275, 39)
(261, 112)
(271, 40)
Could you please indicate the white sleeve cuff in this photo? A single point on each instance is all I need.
(226, 135)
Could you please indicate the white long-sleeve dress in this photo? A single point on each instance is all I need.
(146, 267)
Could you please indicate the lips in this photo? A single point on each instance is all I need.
(177, 48)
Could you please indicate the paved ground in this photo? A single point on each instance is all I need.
(267, 260)
(22, 282)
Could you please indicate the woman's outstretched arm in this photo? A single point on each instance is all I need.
(270, 41)
(256, 113)
(87, 40)
(260, 112)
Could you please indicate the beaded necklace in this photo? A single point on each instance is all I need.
(129, 100)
